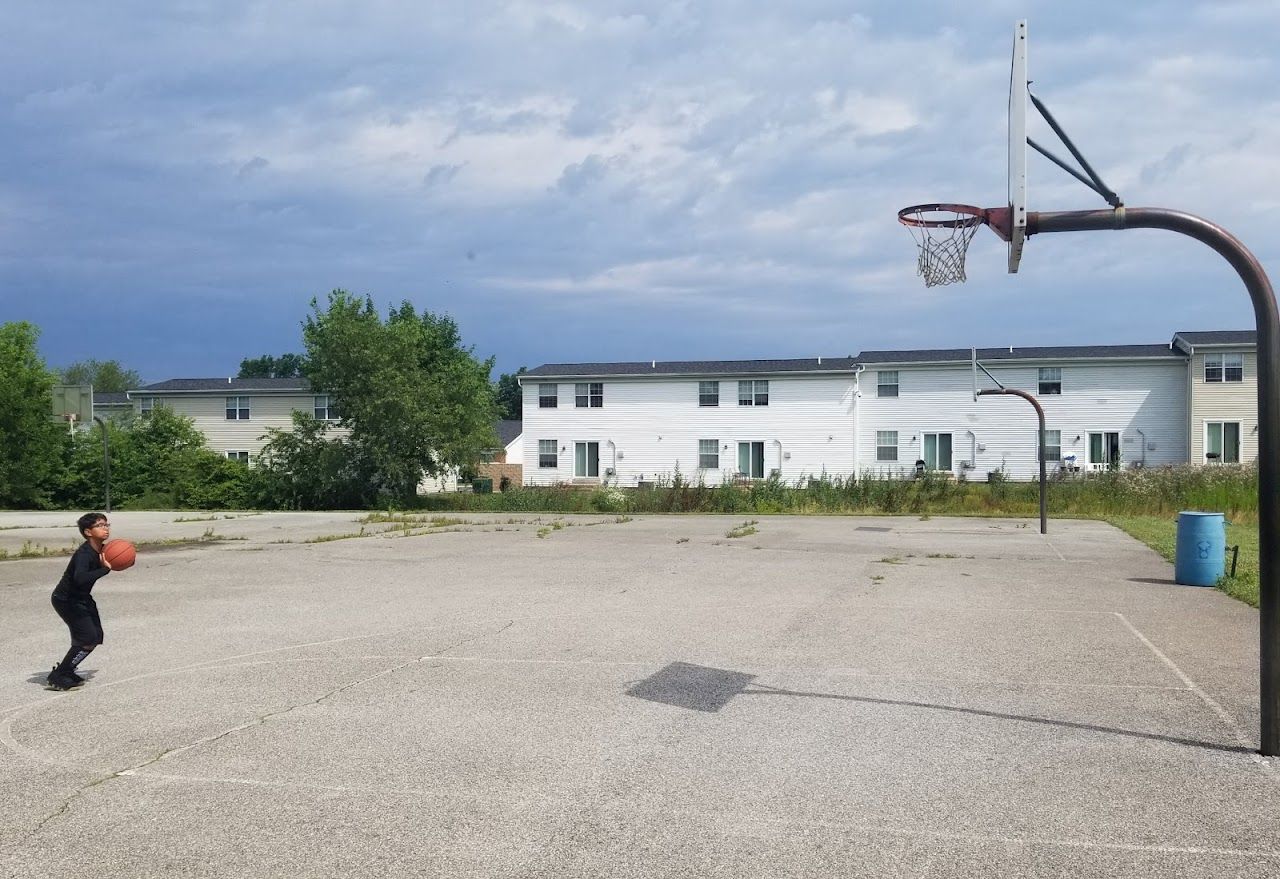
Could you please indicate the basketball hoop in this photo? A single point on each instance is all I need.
(942, 233)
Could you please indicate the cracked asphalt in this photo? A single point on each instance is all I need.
(645, 697)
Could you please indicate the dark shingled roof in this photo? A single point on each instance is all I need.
(217, 385)
(1221, 337)
(103, 398)
(691, 367)
(988, 355)
(509, 430)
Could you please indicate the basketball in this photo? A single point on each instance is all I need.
(120, 554)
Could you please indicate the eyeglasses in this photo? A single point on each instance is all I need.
(101, 525)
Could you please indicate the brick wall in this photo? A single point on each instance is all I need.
(496, 471)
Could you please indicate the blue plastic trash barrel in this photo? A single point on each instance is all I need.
(1200, 557)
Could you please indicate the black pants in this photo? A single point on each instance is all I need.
(81, 617)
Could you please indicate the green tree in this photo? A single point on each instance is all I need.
(106, 376)
(266, 366)
(415, 400)
(303, 469)
(510, 396)
(31, 442)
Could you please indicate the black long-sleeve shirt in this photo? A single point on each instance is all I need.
(84, 569)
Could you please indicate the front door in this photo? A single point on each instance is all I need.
(586, 460)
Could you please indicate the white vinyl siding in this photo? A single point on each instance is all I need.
(208, 412)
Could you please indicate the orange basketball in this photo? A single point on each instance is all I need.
(120, 554)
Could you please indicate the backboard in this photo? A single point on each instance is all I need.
(1018, 146)
(73, 400)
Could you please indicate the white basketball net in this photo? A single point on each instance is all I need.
(942, 248)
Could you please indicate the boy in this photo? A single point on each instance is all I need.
(74, 603)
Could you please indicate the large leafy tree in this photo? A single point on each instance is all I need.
(266, 366)
(510, 396)
(31, 443)
(415, 400)
(106, 376)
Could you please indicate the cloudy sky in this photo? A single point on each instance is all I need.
(577, 181)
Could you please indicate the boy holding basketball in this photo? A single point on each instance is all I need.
(73, 601)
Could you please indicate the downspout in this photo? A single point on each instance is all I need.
(857, 412)
(613, 467)
(973, 450)
(1142, 461)
(779, 442)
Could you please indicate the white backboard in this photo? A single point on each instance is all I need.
(1018, 145)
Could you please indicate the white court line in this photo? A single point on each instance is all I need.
(1223, 715)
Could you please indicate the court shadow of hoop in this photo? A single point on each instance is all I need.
(696, 687)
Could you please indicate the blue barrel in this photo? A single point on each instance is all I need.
(1200, 558)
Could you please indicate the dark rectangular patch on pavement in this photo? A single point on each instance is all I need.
(871, 528)
(691, 686)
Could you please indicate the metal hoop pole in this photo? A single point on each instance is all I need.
(1268, 320)
(1044, 527)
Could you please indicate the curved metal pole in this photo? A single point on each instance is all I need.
(1044, 528)
(1265, 312)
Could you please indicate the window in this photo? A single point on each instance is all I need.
(548, 396)
(1052, 445)
(708, 393)
(242, 457)
(886, 445)
(237, 408)
(751, 459)
(586, 460)
(547, 455)
(753, 393)
(1222, 442)
(588, 394)
(1224, 367)
(887, 383)
(324, 408)
(1050, 380)
(146, 404)
(709, 454)
(937, 451)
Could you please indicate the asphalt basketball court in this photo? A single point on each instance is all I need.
(826, 696)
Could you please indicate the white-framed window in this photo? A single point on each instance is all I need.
(146, 405)
(708, 393)
(886, 445)
(937, 451)
(548, 396)
(1050, 380)
(1052, 445)
(1224, 367)
(887, 383)
(324, 408)
(588, 395)
(751, 459)
(753, 392)
(1222, 442)
(547, 454)
(586, 460)
(709, 454)
(237, 408)
(241, 456)
(1104, 447)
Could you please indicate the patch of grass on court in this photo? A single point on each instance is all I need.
(889, 560)
(31, 550)
(743, 530)
(942, 555)
(1161, 534)
(327, 538)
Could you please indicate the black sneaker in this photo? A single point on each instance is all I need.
(75, 676)
(61, 681)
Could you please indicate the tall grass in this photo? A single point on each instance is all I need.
(1158, 491)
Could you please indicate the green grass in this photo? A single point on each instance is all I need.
(743, 530)
(1161, 534)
